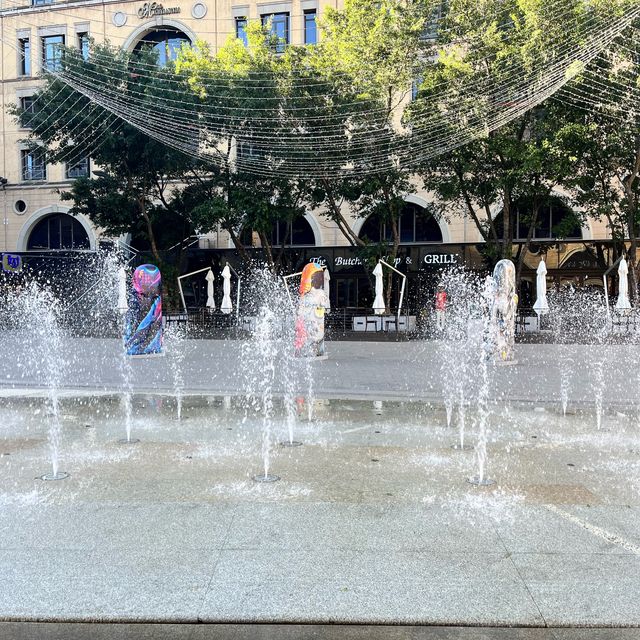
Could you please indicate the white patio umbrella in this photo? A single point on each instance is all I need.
(123, 304)
(227, 305)
(211, 303)
(327, 282)
(378, 303)
(541, 305)
(623, 286)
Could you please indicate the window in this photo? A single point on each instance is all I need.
(38, 3)
(292, 234)
(27, 104)
(24, 51)
(554, 220)
(430, 31)
(166, 42)
(415, 224)
(78, 170)
(83, 45)
(279, 26)
(310, 32)
(56, 232)
(296, 233)
(241, 30)
(33, 164)
(52, 49)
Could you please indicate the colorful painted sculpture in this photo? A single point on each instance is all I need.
(309, 339)
(143, 329)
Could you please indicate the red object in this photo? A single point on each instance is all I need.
(441, 300)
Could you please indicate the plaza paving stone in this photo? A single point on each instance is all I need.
(372, 522)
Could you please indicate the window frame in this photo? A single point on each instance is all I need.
(36, 154)
(53, 64)
(241, 23)
(548, 209)
(306, 13)
(31, 109)
(24, 57)
(67, 168)
(83, 43)
(408, 219)
(58, 220)
(282, 43)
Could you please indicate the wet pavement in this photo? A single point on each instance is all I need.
(375, 370)
(372, 522)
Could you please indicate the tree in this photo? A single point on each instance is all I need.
(241, 92)
(607, 181)
(512, 171)
(132, 189)
(493, 54)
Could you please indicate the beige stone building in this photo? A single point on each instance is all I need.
(31, 36)
(34, 218)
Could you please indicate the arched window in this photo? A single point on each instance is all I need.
(296, 233)
(416, 224)
(554, 220)
(165, 41)
(58, 232)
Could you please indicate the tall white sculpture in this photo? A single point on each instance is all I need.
(503, 311)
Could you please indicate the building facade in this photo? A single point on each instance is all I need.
(36, 220)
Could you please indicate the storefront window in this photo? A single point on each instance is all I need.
(58, 232)
(297, 233)
(416, 224)
(554, 220)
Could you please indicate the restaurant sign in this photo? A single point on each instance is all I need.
(411, 259)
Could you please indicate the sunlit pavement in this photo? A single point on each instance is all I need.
(372, 522)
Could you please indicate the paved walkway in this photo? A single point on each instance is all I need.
(373, 521)
(403, 370)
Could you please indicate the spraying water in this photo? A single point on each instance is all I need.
(462, 314)
(268, 359)
(175, 342)
(39, 311)
(486, 353)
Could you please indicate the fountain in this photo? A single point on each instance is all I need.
(37, 311)
(485, 353)
(463, 310)
(175, 342)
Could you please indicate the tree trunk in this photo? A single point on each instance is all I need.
(150, 232)
(633, 267)
(266, 247)
(522, 250)
(241, 249)
(336, 215)
(507, 227)
(392, 261)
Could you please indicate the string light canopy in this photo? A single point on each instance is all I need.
(295, 121)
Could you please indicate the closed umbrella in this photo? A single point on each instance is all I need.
(378, 303)
(541, 305)
(327, 282)
(227, 305)
(123, 305)
(623, 286)
(211, 304)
